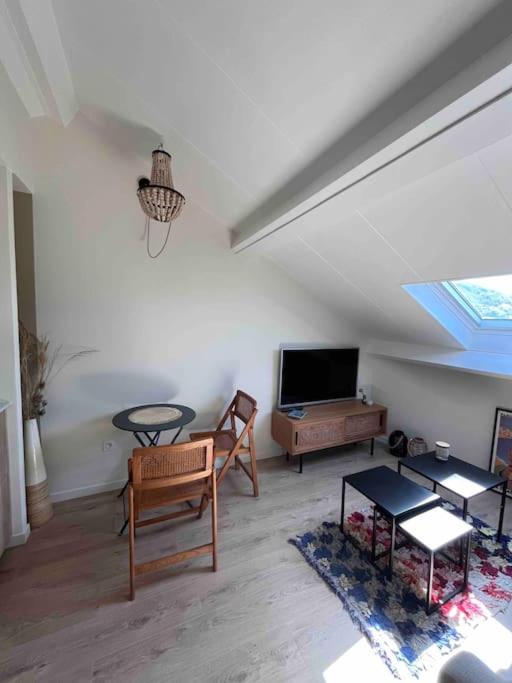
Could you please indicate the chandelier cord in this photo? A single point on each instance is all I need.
(148, 222)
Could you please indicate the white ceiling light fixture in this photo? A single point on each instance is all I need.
(158, 198)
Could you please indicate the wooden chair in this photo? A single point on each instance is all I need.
(229, 444)
(166, 475)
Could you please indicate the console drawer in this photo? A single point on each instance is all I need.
(320, 435)
(361, 425)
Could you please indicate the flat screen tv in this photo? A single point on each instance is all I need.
(317, 376)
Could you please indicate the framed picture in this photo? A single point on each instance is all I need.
(501, 451)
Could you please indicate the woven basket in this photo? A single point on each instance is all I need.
(416, 446)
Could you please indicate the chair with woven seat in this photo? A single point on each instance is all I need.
(229, 444)
(167, 475)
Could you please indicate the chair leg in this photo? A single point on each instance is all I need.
(252, 450)
(225, 467)
(214, 522)
(131, 542)
(202, 506)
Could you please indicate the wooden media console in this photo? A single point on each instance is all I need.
(328, 425)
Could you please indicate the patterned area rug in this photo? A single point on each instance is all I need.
(391, 614)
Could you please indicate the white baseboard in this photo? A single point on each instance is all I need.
(80, 492)
(19, 539)
(58, 496)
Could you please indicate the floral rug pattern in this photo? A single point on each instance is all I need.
(392, 613)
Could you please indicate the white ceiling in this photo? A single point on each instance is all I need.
(259, 100)
(247, 93)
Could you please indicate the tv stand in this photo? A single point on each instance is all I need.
(328, 425)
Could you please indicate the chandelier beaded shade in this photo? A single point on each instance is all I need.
(158, 198)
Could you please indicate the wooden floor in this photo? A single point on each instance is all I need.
(264, 616)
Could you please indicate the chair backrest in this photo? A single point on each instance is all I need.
(244, 406)
(157, 466)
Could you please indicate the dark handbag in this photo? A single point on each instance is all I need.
(398, 443)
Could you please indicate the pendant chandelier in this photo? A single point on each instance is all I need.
(158, 198)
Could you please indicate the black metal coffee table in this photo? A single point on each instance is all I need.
(459, 477)
(395, 497)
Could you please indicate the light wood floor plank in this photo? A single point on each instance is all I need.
(264, 616)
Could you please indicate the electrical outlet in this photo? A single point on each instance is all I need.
(108, 446)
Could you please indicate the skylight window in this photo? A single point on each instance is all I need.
(485, 298)
(476, 312)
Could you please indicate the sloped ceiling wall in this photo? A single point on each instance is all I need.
(454, 223)
(249, 94)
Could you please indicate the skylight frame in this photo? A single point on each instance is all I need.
(467, 308)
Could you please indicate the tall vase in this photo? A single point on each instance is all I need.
(39, 505)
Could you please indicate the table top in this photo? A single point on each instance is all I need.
(393, 493)
(124, 419)
(435, 528)
(461, 477)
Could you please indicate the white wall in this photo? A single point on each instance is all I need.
(440, 404)
(15, 157)
(189, 327)
(15, 133)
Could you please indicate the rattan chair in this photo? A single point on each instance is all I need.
(229, 444)
(167, 475)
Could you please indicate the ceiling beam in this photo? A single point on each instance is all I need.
(42, 24)
(469, 74)
(32, 53)
(17, 66)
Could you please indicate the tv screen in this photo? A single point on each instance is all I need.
(317, 376)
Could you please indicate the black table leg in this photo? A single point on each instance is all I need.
(372, 446)
(300, 463)
(429, 581)
(342, 505)
(502, 509)
(392, 547)
(177, 434)
(137, 436)
(374, 534)
(120, 494)
(467, 565)
(464, 515)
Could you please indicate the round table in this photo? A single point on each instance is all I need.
(149, 427)
(145, 429)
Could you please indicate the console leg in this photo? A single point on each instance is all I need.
(287, 456)
(372, 446)
(300, 463)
